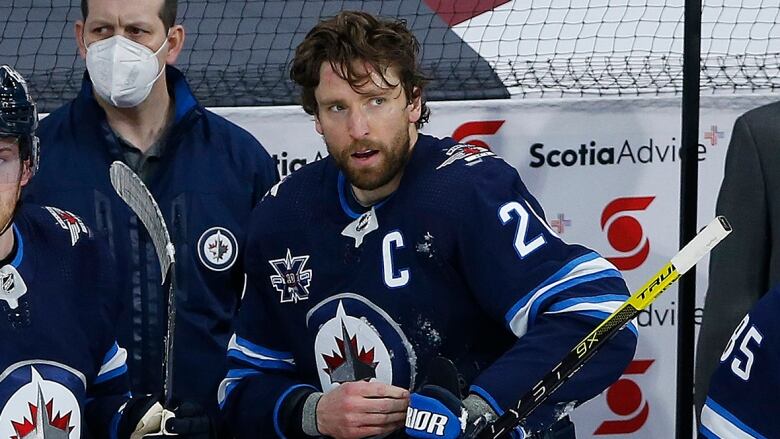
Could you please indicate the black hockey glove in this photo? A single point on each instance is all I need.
(144, 417)
(190, 421)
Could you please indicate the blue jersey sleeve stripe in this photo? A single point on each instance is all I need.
(114, 364)
(588, 263)
(259, 363)
(560, 274)
(111, 374)
(234, 376)
(111, 353)
(278, 405)
(707, 433)
(543, 298)
(245, 345)
(723, 423)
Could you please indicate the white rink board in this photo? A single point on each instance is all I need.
(641, 404)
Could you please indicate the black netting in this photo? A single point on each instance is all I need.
(237, 51)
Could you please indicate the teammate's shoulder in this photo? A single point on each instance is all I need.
(228, 132)
(55, 119)
(54, 226)
(767, 307)
(304, 187)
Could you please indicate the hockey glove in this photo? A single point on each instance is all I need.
(435, 412)
(140, 415)
(190, 421)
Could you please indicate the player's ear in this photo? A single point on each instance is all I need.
(26, 173)
(414, 107)
(79, 31)
(317, 124)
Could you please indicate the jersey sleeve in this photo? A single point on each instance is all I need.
(262, 389)
(548, 293)
(745, 382)
(110, 387)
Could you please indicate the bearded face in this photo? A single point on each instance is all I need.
(368, 129)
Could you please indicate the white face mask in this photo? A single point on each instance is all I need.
(123, 71)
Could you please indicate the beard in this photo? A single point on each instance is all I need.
(394, 157)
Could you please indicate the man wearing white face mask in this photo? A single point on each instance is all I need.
(205, 173)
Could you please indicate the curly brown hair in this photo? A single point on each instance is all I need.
(358, 36)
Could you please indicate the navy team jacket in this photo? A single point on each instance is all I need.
(209, 177)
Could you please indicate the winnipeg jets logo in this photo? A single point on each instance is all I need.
(349, 348)
(217, 248)
(349, 363)
(41, 409)
(291, 280)
(69, 222)
(471, 154)
(13, 286)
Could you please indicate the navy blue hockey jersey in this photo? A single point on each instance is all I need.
(62, 374)
(457, 262)
(742, 400)
(208, 178)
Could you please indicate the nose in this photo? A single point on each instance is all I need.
(358, 123)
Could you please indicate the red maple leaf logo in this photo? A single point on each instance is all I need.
(59, 422)
(337, 359)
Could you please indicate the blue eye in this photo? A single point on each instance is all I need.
(378, 101)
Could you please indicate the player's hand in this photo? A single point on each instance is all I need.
(190, 421)
(140, 415)
(435, 412)
(361, 409)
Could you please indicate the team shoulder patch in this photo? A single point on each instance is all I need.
(217, 249)
(69, 222)
(471, 154)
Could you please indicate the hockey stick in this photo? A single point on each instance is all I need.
(134, 192)
(699, 246)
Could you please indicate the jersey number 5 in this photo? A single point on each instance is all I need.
(738, 366)
(512, 210)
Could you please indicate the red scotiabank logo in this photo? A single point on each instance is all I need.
(466, 133)
(624, 232)
(625, 399)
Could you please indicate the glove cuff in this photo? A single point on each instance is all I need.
(477, 407)
(309, 414)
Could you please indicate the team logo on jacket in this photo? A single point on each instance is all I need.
(39, 401)
(471, 154)
(291, 279)
(217, 248)
(356, 340)
(69, 222)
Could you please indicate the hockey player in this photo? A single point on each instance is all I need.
(62, 374)
(742, 397)
(399, 248)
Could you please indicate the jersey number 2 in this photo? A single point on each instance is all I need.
(509, 211)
